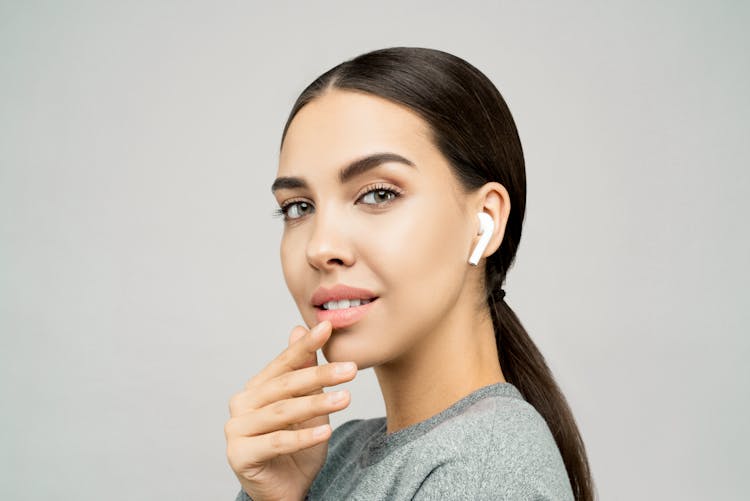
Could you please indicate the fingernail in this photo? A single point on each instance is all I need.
(345, 367)
(336, 396)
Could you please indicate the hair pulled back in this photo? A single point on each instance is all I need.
(473, 128)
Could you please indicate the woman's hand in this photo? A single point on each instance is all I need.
(272, 446)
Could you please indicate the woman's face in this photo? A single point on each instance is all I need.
(403, 232)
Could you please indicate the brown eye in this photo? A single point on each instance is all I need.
(379, 196)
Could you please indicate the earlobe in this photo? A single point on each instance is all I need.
(486, 230)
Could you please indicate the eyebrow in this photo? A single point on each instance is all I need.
(354, 169)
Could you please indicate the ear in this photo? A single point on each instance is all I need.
(493, 199)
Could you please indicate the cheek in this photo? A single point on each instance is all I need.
(417, 240)
(417, 255)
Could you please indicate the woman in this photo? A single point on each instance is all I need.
(395, 167)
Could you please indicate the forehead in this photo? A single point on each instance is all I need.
(341, 125)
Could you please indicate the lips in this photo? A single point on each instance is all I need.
(340, 291)
(346, 316)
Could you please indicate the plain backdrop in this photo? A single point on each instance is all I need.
(140, 280)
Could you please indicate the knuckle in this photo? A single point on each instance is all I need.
(279, 408)
(296, 334)
(235, 457)
(250, 384)
(229, 429)
(230, 453)
(286, 359)
(235, 404)
(285, 382)
(303, 437)
(323, 399)
(277, 440)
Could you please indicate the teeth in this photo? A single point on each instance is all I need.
(345, 303)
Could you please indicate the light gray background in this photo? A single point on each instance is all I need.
(140, 282)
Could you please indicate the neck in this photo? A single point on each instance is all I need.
(447, 365)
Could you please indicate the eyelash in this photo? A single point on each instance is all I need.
(284, 209)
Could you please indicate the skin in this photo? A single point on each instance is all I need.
(429, 336)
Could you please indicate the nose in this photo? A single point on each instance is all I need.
(329, 245)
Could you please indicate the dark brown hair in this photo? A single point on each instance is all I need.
(472, 126)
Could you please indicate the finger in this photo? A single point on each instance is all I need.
(296, 356)
(292, 384)
(285, 413)
(298, 333)
(262, 448)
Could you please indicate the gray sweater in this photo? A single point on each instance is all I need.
(491, 444)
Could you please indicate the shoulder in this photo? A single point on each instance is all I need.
(505, 449)
(496, 427)
(517, 427)
(523, 456)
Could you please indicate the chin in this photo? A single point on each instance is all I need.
(344, 346)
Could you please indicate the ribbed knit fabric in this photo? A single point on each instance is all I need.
(491, 444)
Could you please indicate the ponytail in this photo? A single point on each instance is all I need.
(524, 366)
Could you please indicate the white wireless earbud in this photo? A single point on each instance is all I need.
(486, 228)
